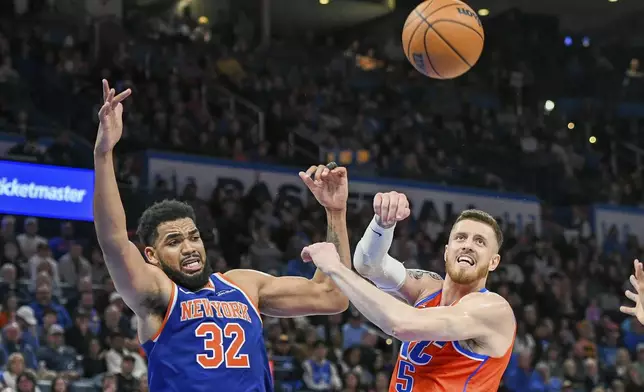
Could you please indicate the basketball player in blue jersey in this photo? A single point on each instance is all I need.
(202, 331)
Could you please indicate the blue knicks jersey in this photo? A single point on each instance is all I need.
(210, 340)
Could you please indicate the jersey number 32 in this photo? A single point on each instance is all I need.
(216, 354)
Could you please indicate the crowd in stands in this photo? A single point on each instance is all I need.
(63, 323)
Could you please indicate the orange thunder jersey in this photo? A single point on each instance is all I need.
(445, 366)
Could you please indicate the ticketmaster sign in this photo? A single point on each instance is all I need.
(46, 191)
(208, 173)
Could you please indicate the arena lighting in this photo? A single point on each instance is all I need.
(324, 2)
(203, 20)
(612, 1)
(549, 106)
(568, 41)
(592, 140)
(571, 125)
(585, 42)
(389, 342)
(484, 12)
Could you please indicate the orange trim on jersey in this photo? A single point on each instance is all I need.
(168, 311)
(227, 279)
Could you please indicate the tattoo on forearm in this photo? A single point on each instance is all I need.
(332, 236)
(418, 274)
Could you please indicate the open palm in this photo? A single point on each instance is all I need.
(329, 186)
(637, 280)
(110, 116)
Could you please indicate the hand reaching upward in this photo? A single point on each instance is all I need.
(637, 280)
(329, 185)
(110, 116)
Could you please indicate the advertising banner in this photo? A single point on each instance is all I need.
(46, 191)
(209, 173)
(627, 220)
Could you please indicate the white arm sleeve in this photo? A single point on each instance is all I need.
(372, 261)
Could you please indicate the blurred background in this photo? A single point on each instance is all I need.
(232, 98)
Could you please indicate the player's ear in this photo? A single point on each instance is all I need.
(445, 254)
(496, 259)
(150, 255)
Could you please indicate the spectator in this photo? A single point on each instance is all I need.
(9, 308)
(287, 370)
(73, 265)
(43, 262)
(79, 336)
(125, 379)
(15, 367)
(94, 360)
(59, 357)
(13, 343)
(44, 301)
(27, 382)
(353, 330)
(28, 325)
(319, 373)
(117, 352)
(63, 244)
(29, 240)
(264, 253)
(59, 384)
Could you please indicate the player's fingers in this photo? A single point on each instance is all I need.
(631, 295)
(393, 209)
(104, 110)
(311, 170)
(318, 172)
(122, 96)
(306, 255)
(308, 181)
(628, 310)
(339, 171)
(633, 281)
(377, 204)
(639, 270)
(384, 207)
(106, 89)
(110, 95)
(402, 207)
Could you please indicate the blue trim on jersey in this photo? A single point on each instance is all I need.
(473, 374)
(428, 298)
(469, 353)
(483, 290)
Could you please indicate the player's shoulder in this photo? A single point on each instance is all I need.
(490, 305)
(249, 281)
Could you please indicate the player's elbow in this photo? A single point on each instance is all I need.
(338, 301)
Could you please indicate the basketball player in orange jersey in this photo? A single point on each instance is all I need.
(457, 336)
(637, 280)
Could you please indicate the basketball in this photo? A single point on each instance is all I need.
(443, 39)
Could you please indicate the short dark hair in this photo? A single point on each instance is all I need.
(158, 213)
(483, 217)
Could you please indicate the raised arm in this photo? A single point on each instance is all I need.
(133, 278)
(290, 296)
(485, 317)
(372, 261)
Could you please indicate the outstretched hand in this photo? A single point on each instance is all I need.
(329, 185)
(637, 280)
(110, 116)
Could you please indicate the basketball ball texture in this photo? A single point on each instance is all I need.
(443, 39)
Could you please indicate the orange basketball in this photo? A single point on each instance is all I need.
(443, 39)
